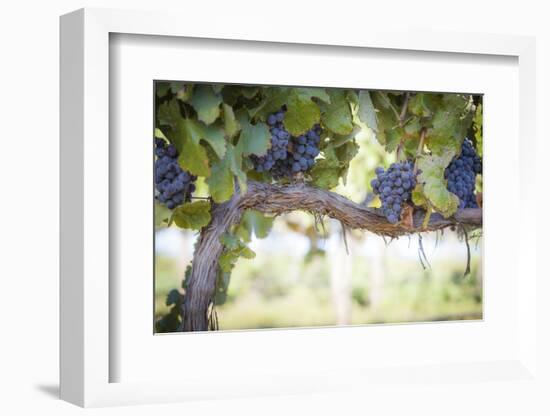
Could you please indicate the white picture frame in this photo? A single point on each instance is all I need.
(87, 356)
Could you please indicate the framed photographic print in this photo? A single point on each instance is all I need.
(268, 208)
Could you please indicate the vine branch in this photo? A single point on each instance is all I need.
(279, 199)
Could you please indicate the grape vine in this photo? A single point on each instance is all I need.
(281, 141)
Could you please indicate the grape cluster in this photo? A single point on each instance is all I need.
(394, 186)
(280, 138)
(461, 175)
(174, 185)
(288, 155)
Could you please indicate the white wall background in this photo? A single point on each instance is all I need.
(29, 56)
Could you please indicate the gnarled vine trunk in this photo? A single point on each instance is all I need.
(279, 199)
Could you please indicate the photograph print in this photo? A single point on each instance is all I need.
(304, 207)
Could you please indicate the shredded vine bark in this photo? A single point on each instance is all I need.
(280, 199)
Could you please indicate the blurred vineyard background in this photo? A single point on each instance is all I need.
(310, 274)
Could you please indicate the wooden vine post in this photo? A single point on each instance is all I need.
(279, 199)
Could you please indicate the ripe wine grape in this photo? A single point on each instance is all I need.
(461, 175)
(394, 187)
(288, 155)
(173, 184)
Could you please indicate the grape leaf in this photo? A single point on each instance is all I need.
(375, 202)
(162, 214)
(249, 92)
(159, 134)
(434, 186)
(478, 129)
(337, 116)
(182, 90)
(254, 222)
(193, 215)
(232, 126)
(234, 154)
(393, 138)
(217, 88)
(319, 93)
(450, 124)
(162, 88)
(418, 198)
(234, 248)
(207, 103)
(222, 284)
(192, 156)
(326, 172)
(387, 121)
(339, 140)
(186, 135)
(255, 139)
(220, 183)
(173, 297)
(302, 113)
(215, 138)
(366, 111)
(169, 113)
(272, 101)
(345, 154)
(418, 106)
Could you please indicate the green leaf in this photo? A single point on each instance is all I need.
(182, 90)
(326, 172)
(214, 137)
(432, 178)
(345, 154)
(169, 113)
(418, 198)
(418, 106)
(366, 111)
(159, 134)
(162, 214)
(337, 116)
(319, 93)
(387, 121)
(192, 215)
(173, 297)
(338, 140)
(220, 183)
(217, 88)
(302, 113)
(234, 155)
(272, 101)
(450, 124)
(192, 156)
(206, 103)
(393, 138)
(222, 284)
(250, 92)
(162, 88)
(254, 222)
(232, 126)
(234, 248)
(478, 129)
(255, 139)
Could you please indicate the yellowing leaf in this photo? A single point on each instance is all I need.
(193, 215)
(232, 126)
(375, 202)
(434, 184)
